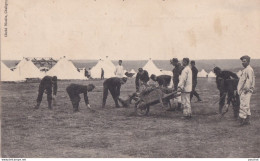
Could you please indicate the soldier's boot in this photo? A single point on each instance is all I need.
(50, 104)
(247, 120)
(75, 107)
(179, 107)
(236, 113)
(37, 105)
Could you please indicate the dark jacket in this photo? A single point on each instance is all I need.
(221, 80)
(46, 84)
(74, 90)
(114, 84)
(176, 73)
(163, 80)
(142, 77)
(194, 75)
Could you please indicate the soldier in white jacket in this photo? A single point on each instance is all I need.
(119, 71)
(185, 87)
(245, 89)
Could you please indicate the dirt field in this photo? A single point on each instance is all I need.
(113, 132)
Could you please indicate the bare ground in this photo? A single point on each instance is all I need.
(117, 132)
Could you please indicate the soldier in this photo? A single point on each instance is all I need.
(102, 73)
(226, 83)
(185, 87)
(142, 78)
(162, 80)
(119, 71)
(245, 89)
(74, 91)
(49, 85)
(194, 81)
(176, 74)
(113, 85)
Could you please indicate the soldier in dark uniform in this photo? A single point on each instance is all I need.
(49, 85)
(74, 90)
(113, 85)
(141, 77)
(162, 80)
(227, 84)
(194, 81)
(102, 73)
(176, 73)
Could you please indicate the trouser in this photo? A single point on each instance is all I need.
(75, 99)
(49, 94)
(222, 98)
(185, 98)
(193, 92)
(244, 110)
(234, 99)
(113, 92)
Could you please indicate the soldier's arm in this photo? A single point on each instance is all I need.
(55, 86)
(86, 98)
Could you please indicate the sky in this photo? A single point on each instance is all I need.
(131, 29)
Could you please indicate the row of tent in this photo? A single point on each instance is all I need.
(65, 70)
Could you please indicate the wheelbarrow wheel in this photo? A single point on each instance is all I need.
(141, 109)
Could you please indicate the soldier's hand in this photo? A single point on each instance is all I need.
(88, 105)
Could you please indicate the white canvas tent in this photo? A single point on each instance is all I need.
(26, 69)
(9, 76)
(133, 71)
(166, 72)
(65, 69)
(151, 68)
(211, 74)
(108, 67)
(202, 74)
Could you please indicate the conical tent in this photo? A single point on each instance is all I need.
(65, 69)
(26, 69)
(151, 68)
(167, 72)
(9, 76)
(108, 67)
(133, 72)
(211, 74)
(202, 74)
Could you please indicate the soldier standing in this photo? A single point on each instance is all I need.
(245, 88)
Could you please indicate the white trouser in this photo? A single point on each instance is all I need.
(185, 99)
(245, 105)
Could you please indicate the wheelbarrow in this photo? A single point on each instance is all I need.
(153, 96)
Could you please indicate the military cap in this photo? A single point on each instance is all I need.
(245, 57)
(186, 59)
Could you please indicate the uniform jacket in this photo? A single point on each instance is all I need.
(176, 74)
(46, 83)
(222, 80)
(185, 82)
(113, 83)
(194, 75)
(247, 80)
(163, 80)
(143, 77)
(74, 90)
(119, 71)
